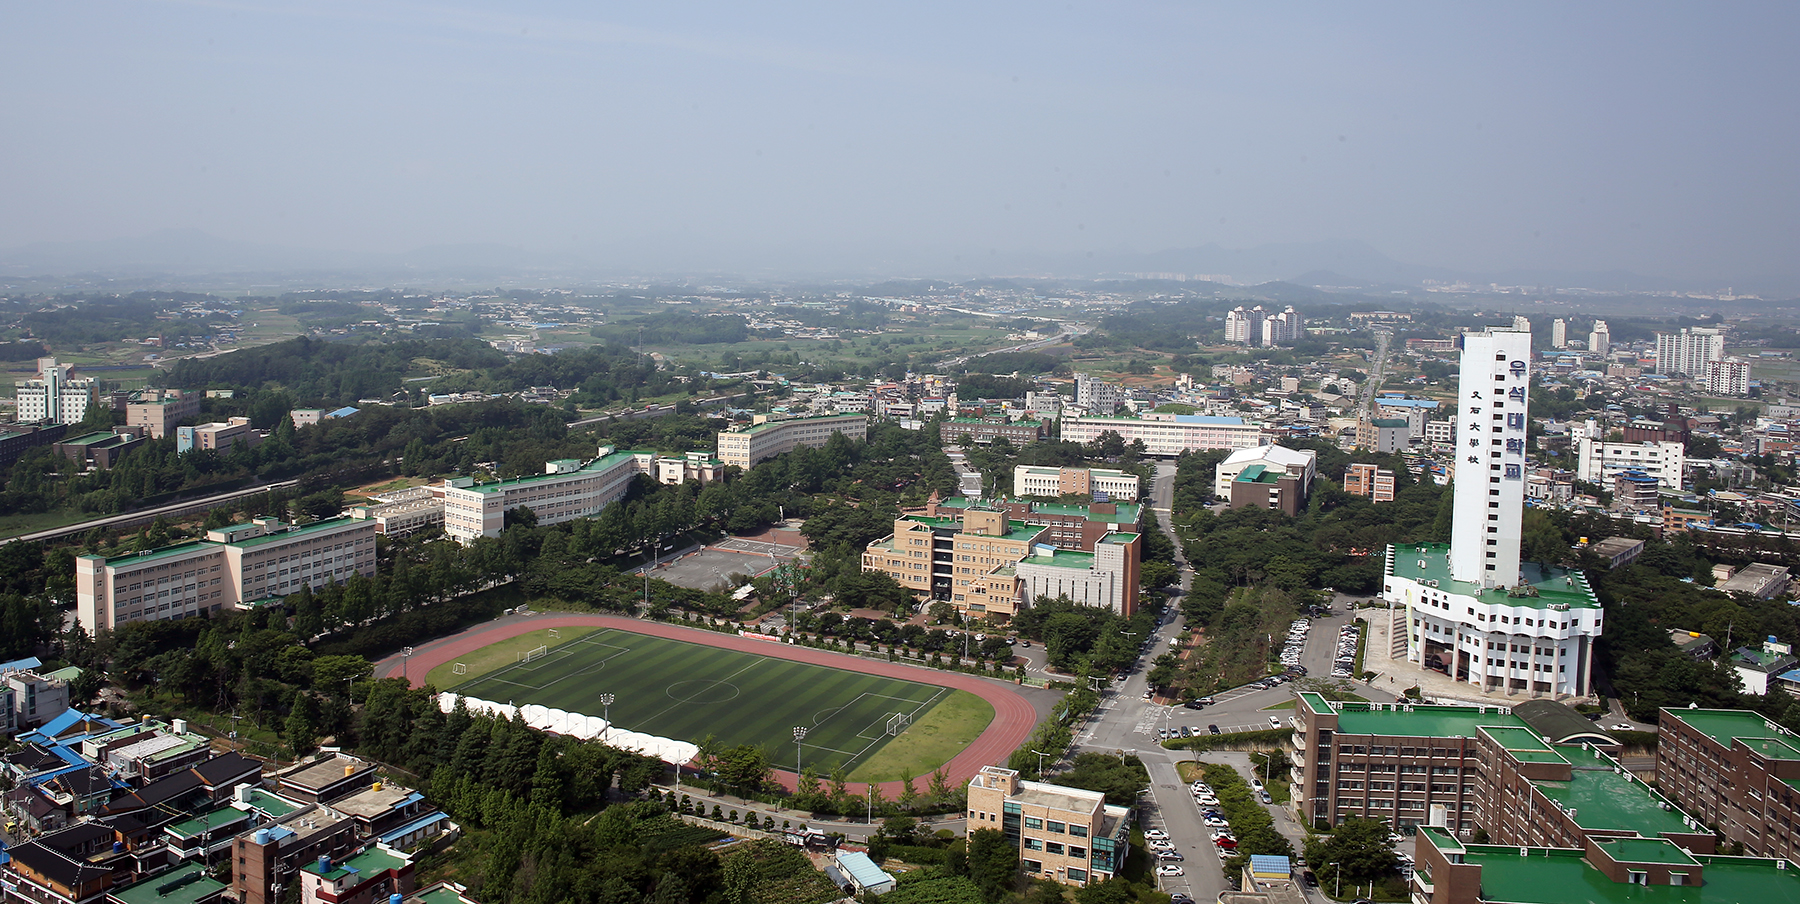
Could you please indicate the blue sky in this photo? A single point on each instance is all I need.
(1654, 137)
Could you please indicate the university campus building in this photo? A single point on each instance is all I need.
(1071, 835)
(994, 559)
(1036, 480)
(568, 489)
(232, 567)
(1471, 609)
(1565, 819)
(764, 438)
(1169, 434)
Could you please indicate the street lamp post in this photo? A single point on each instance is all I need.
(1040, 756)
(606, 702)
(799, 735)
(405, 654)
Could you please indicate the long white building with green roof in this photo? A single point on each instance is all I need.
(1474, 611)
(568, 489)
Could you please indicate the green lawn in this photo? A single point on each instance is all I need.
(688, 691)
(929, 742)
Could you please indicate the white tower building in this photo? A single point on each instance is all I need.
(1472, 610)
(1490, 457)
(1600, 340)
(1559, 333)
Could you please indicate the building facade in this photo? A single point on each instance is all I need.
(765, 438)
(231, 567)
(54, 395)
(1033, 480)
(1600, 339)
(1559, 333)
(1098, 396)
(1071, 835)
(1473, 610)
(1730, 377)
(1369, 480)
(1598, 461)
(568, 489)
(986, 430)
(989, 564)
(161, 410)
(1689, 351)
(217, 436)
(1168, 435)
(1302, 464)
(1735, 770)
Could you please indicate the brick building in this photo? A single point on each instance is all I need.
(1068, 834)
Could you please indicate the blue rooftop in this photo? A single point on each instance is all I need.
(863, 871)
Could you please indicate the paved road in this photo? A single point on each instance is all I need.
(1127, 722)
(1378, 365)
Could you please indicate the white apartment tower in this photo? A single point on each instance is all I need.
(1600, 340)
(1559, 333)
(1490, 450)
(54, 395)
(1689, 351)
(1244, 326)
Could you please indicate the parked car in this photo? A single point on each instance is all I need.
(1169, 869)
(1226, 844)
(1213, 729)
(1155, 835)
(1170, 855)
(1162, 845)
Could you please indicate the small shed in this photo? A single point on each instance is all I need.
(864, 874)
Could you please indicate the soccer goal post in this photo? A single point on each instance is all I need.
(534, 655)
(555, 634)
(897, 723)
(461, 668)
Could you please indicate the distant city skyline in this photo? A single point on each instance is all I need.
(1531, 139)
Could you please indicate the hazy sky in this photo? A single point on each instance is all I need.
(1659, 138)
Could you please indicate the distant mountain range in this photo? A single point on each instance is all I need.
(1336, 266)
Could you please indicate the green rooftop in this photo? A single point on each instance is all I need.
(1557, 876)
(1727, 725)
(1015, 531)
(268, 804)
(366, 864)
(1423, 722)
(442, 894)
(1603, 799)
(1063, 558)
(1645, 850)
(1127, 513)
(185, 883)
(165, 552)
(1522, 743)
(207, 822)
(1442, 839)
(795, 420)
(599, 464)
(291, 533)
(1551, 585)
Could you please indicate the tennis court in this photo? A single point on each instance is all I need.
(687, 691)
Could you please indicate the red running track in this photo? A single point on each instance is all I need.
(1014, 716)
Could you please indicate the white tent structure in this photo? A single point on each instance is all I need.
(579, 725)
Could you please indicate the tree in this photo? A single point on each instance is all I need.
(993, 862)
(744, 766)
(1358, 849)
(303, 724)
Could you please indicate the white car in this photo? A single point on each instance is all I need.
(1217, 823)
(1162, 845)
(1169, 869)
(1622, 726)
(1155, 835)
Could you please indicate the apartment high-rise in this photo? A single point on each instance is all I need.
(1559, 333)
(54, 395)
(1600, 340)
(1729, 377)
(1689, 351)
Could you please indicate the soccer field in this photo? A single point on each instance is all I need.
(687, 691)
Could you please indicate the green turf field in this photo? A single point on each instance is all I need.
(687, 691)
